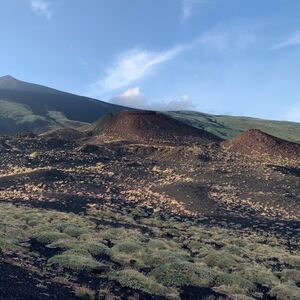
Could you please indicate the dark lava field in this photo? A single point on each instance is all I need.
(122, 211)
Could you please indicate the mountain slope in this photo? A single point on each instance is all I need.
(228, 127)
(31, 107)
(26, 106)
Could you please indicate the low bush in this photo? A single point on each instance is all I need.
(233, 283)
(259, 275)
(137, 281)
(119, 234)
(292, 260)
(286, 292)
(128, 247)
(84, 293)
(96, 249)
(291, 275)
(221, 259)
(128, 253)
(163, 257)
(235, 250)
(7, 245)
(75, 261)
(73, 231)
(65, 244)
(48, 237)
(156, 244)
(183, 273)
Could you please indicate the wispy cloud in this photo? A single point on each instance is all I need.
(289, 42)
(235, 36)
(131, 66)
(188, 6)
(134, 97)
(42, 7)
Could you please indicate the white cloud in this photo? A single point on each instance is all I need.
(131, 66)
(182, 103)
(291, 41)
(134, 97)
(134, 92)
(42, 7)
(292, 113)
(236, 36)
(188, 6)
(134, 65)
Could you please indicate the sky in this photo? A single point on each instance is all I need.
(233, 57)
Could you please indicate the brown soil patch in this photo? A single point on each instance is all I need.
(149, 127)
(254, 141)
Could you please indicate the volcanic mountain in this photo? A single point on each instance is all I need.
(147, 127)
(257, 142)
(31, 107)
(26, 106)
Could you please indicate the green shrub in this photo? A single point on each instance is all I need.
(66, 244)
(163, 257)
(73, 231)
(128, 252)
(7, 245)
(292, 260)
(286, 292)
(156, 244)
(84, 293)
(137, 281)
(221, 259)
(96, 248)
(290, 275)
(183, 273)
(233, 283)
(128, 247)
(75, 261)
(259, 275)
(197, 247)
(48, 237)
(117, 234)
(235, 250)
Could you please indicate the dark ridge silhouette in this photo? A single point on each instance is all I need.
(254, 141)
(147, 126)
(40, 101)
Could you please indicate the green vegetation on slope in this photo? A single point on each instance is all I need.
(26, 106)
(16, 117)
(227, 127)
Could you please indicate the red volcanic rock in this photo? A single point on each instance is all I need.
(148, 127)
(254, 141)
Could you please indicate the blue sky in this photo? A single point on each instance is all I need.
(236, 57)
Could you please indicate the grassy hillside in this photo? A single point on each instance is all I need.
(227, 127)
(26, 106)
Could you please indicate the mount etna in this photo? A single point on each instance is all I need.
(99, 201)
(30, 107)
